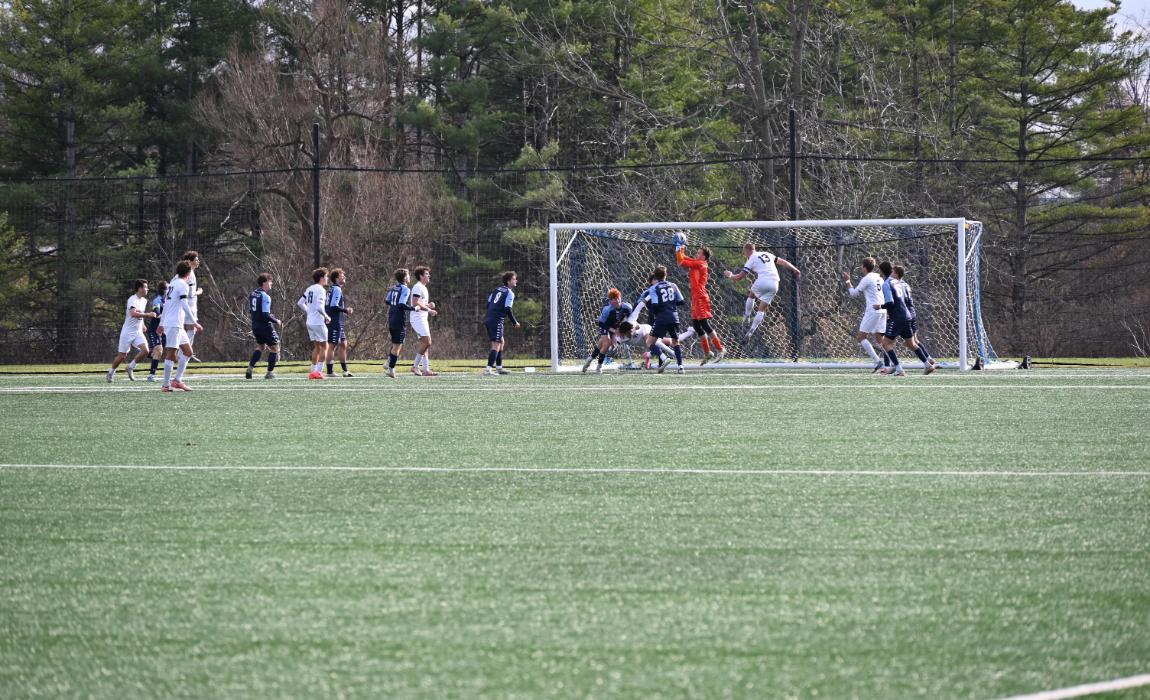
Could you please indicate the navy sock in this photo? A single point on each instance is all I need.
(330, 368)
(499, 359)
(343, 363)
(678, 355)
(922, 355)
(491, 359)
(656, 353)
(391, 360)
(273, 357)
(255, 358)
(893, 357)
(594, 353)
(155, 364)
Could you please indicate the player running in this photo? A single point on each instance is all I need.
(499, 305)
(423, 308)
(764, 265)
(873, 322)
(614, 313)
(264, 324)
(897, 323)
(132, 333)
(155, 331)
(398, 304)
(337, 309)
(928, 363)
(312, 303)
(177, 316)
(698, 270)
(663, 300)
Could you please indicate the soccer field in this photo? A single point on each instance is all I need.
(753, 534)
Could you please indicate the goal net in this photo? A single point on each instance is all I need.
(812, 321)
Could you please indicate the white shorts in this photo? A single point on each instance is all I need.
(419, 324)
(873, 321)
(765, 289)
(191, 334)
(175, 336)
(318, 334)
(131, 339)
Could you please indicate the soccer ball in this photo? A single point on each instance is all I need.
(679, 240)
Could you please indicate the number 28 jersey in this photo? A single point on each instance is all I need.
(663, 300)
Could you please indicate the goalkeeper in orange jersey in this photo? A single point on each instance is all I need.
(698, 270)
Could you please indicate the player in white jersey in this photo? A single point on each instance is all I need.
(873, 322)
(132, 333)
(765, 267)
(636, 334)
(176, 315)
(312, 303)
(423, 308)
(195, 290)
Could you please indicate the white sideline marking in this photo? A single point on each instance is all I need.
(429, 386)
(1078, 691)
(590, 470)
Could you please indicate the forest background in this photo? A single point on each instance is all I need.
(452, 132)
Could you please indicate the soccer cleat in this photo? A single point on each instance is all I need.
(599, 369)
(707, 358)
(490, 371)
(330, 375)
(500, 370)
(151, 378)
(680, 370)
(898, 372)
(165, 389)
(719, 356)
(315, 375)
(663, 362)
(587, 364)
(429, 373)
(390, 373)
(177, 384)
(270, 375)
(877, 366)
(131, 375)
(885, 370)
(248, 373)
(416, 371)
(930, 367)
(348, 374)
(111, 375)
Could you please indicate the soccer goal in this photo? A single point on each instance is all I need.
(812, 321)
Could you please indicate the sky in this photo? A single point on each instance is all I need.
(1133, 14)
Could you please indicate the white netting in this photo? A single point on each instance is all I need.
(814, 320)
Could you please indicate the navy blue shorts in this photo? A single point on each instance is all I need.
(266, 335)
(666, 330)
(336, 334)
(898, 329)
(155, 340)
(603, 330)
(494, 330)
(398, 333)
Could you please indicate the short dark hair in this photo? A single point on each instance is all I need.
(868, 264)
(161, 286)
(625, 327)
(899, 271)
(419, 271)
(885, 268)
(400, 274)
(705, 252)
(139, 283)
(264, 277)
(190, 255)
(318, 274)
(183, 268)
(507, 276)
(336, 272)
(661, 273)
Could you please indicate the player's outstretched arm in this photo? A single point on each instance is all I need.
(732, 276)
(789, 266)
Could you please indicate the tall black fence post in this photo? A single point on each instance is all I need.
(793, 254)
(315, 188)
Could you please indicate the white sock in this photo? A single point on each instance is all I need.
(167, 372)
(426, 363)
(748, 307)
(132, 364)
(757, 322)
(183, 364)
(685, 335)
(667, 351)
(418, 362)
(865, 345)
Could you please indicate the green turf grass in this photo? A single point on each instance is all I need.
(739, 581)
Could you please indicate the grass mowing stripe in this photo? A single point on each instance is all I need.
(1078, 691)
(592, 470)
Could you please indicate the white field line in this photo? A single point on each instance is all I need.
(1078, 691)
(429, 386)
(591, 470)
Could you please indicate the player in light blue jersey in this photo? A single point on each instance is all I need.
(914, 343)
(898, 319)
(338, 309)
(398, 304)
(264, 324)
(499, 305)
(614, 313)
(663, 300)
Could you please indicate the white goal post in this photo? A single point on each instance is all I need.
(813, 320)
